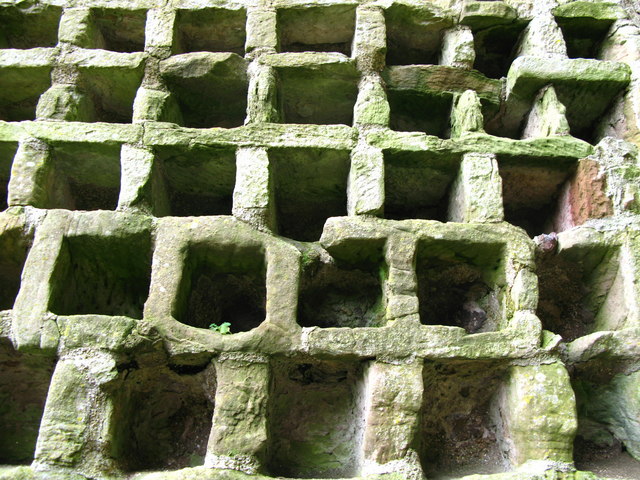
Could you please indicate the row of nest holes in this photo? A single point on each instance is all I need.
(317, 96)
(410, 40)
(310, 185)
(580, 291)
(316, 416)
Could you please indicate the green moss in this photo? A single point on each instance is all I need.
(601, 10)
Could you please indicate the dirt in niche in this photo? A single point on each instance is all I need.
(239, 299)
(316, 419)
(456, 295)
(162, 418)
(459, 435)
(341, 297)
(561, 306)
(24, 382)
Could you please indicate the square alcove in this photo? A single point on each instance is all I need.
(195, 180)
(531, 191)
(24, 383)
(417, 185)
(207, 89)
(110, 91)
(310, 186)
(582, 291)
(118, 30)
(345, 292)
(461, 284)
(584, 35)
(102, 275)
(20, 89)
(414, 34)
(14, 247)
(222, 283)
(316, 419)
(324, 94)
(459, 434)
(162, 416)
(29, 25)
(84, 176)
(606, 402)
(587, 99)
(495, 48)
(317, 28)
(210, 30)
(7, 153)
(416, 111)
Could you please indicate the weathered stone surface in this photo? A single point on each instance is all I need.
(478, 179)
(543, 38)
(478, 14)
(240, 434)
(396, 398)
(538, 411)
(75, 423)
(547, 116)
(441, 79)
(372, 107)
(457, 48)
(389, 239)
(366, 181)
(466, 115)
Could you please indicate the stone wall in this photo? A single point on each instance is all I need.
(319, 239)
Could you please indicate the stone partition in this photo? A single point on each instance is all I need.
(381, 239)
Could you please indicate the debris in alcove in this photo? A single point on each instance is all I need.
(546, 243)
(456, 295)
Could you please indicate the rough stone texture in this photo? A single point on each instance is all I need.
(280, 238)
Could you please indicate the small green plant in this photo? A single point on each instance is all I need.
(223, 328)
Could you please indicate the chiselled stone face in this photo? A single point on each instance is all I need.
(352, 238)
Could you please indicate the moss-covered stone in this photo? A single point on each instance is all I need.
(538, 410)
(294, 238)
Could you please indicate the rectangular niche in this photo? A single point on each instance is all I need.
(607, 405)
(310, 186)
(111, 91)
(118, 30)
(20, 89)
(7, 153)
(414, 111)
(417, 185)
(162, 416)
(29, 27)
(198, 180)
(495, 48)
(326, 28)
(207, 89)
(459, 432)
(581, 291)
(210, 30)
(84, 176)
(414, 34)
(584, 35)
(14, 247)
(344, 293)
(461, 284)
(24, 383)
(222, 283)
(316, 419)
(321, 95)
(102, 275)
(531, 192)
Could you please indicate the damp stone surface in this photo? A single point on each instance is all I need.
(337, 239)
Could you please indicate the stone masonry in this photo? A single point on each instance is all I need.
(319, 239)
